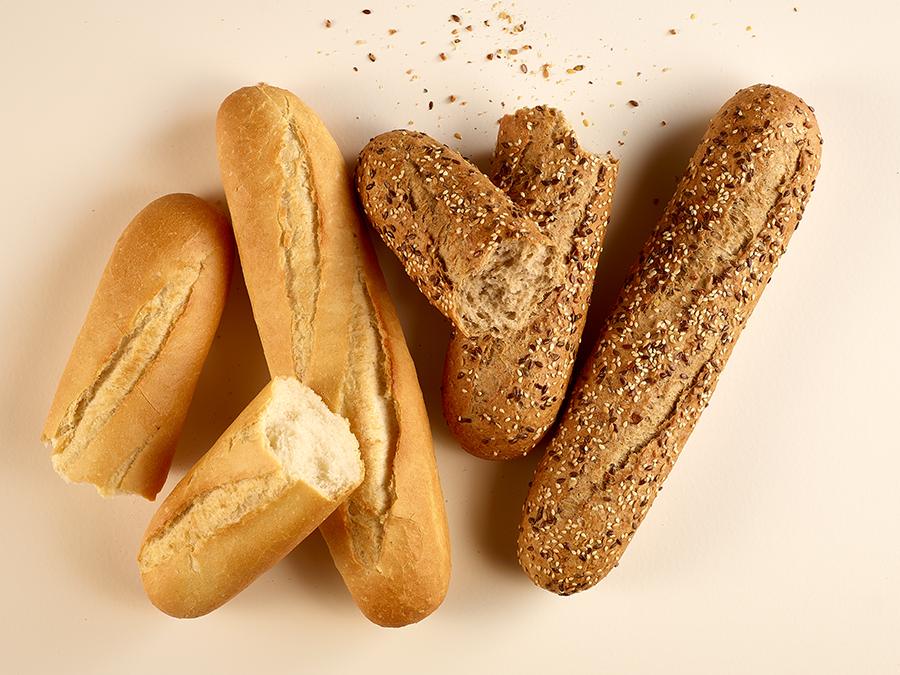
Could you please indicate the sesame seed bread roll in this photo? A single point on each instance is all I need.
(120, 406)
(276, 473)
(502, 392)
(325, 316)
(663, 347)
(470, 250)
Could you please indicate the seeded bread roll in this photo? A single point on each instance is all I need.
(662, 348)
(123, 396)
(502, 391)
(471, 251)
(276, 473)
(325, 316)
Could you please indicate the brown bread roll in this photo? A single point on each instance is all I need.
(663, 347)
(282, 466)
(471, 251)
(122, 399)
(325, 316)
(503, 391)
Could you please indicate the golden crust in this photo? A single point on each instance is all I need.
(663, 346)
(292, 204)
(193, 575)
(122, 399)
(410, 578)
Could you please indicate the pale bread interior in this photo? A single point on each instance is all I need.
(313, 444)
(503, 295)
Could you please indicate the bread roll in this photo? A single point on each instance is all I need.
(276, 473)
(471, 251)
(502, 390)
(121, 403)
(663, 347)
(324, 315)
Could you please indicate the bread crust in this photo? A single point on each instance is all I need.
(501, 393)
(324, 314)
(663, 346)
(187, 580)
(120, 406)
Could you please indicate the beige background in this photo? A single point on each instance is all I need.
(774, 546)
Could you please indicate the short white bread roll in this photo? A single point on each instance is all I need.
(664, 345)
(324, 315)
(276, 473)
(121, 402)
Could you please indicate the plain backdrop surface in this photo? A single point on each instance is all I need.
(774, 546)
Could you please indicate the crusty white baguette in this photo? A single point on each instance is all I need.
(122, 399)
(282, 466)
(324, 315)
(502, 391)
(662, 348)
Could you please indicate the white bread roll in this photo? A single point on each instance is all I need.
(276, 473)
(122, 399)
(324, 315)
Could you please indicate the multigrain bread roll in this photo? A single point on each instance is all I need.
(122, 399)
(324, 315)
(273, 476)
(502, 390)
(471, 251)
(663, 347)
